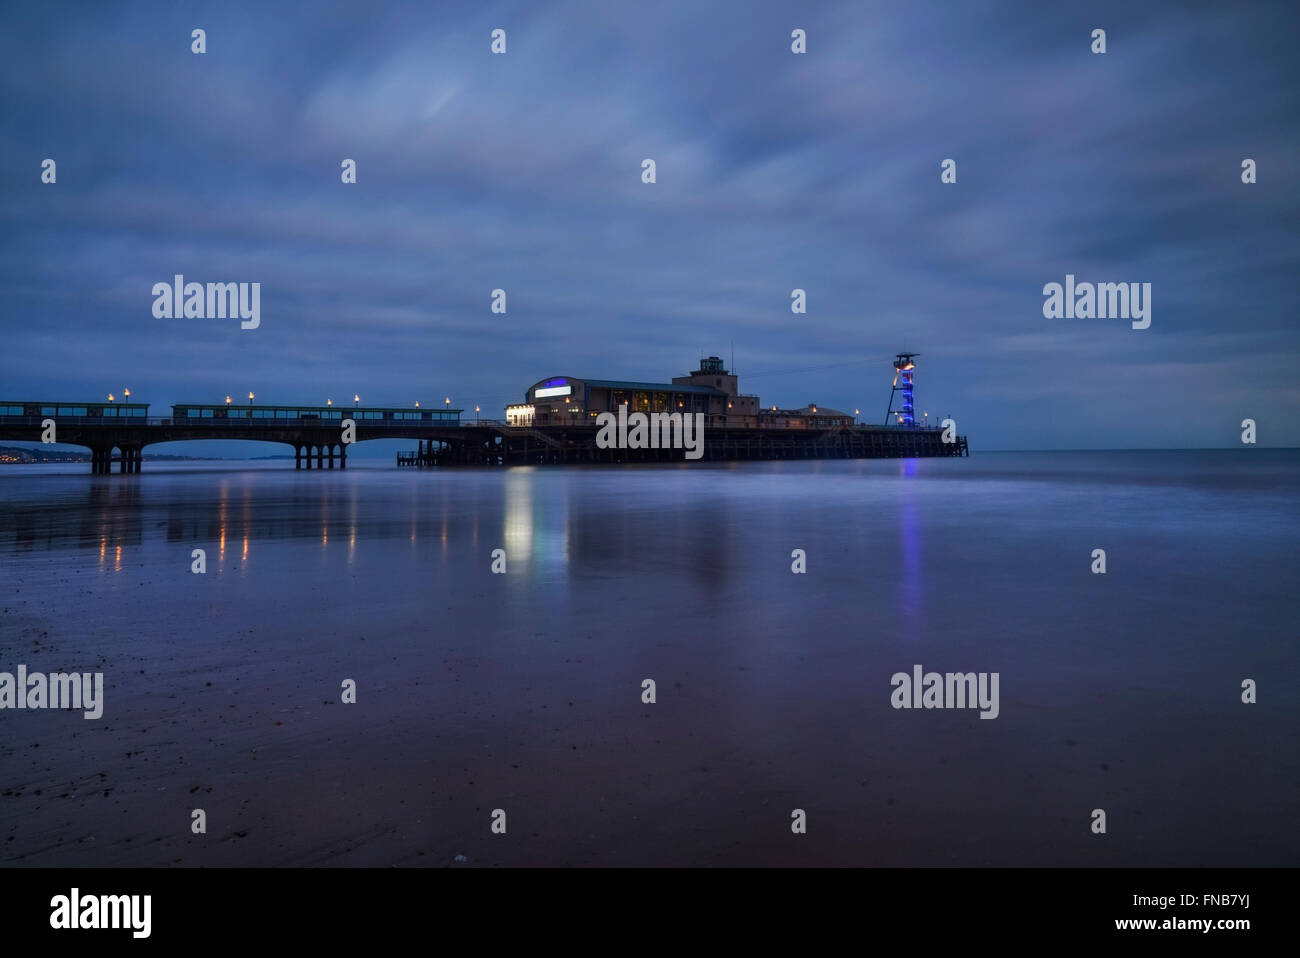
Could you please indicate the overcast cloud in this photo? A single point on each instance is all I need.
(775, 171)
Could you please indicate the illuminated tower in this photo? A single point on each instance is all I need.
(902, 416)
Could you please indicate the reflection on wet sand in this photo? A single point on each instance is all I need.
(773, 686)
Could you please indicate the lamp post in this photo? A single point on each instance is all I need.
(110, 397)
(356, 400)
(250, 397)
(126, 393)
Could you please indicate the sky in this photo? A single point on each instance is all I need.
(522, 171)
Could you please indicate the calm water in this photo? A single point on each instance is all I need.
(523, 691)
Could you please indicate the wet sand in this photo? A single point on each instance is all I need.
(523, 691)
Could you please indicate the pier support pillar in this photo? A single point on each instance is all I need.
(320, 457)
(343, 455)
(297, 456)
(101, 461)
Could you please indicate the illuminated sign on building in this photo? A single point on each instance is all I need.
(519, 415)
(552, 391)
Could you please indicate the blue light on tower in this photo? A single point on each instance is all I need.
(903, 367)
(905, 377)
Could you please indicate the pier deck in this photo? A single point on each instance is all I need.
(570, 445)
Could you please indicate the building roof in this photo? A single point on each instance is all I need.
(809, 411)
(654, 387)
(64, 402)
(341, 407)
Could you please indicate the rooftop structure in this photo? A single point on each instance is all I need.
(710, 390)
(370, 415)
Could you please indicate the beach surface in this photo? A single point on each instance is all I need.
(523, 691)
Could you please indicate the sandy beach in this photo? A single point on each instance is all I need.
(522, 691)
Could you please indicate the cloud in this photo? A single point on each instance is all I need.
(774, 171)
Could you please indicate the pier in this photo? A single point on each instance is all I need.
(318, 444)
(557, 424)
(570, 445)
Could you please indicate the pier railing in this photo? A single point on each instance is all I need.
(247, 423)
(232, 423)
